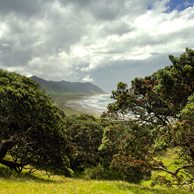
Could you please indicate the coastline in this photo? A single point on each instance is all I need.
(78, 107)
(93, 104)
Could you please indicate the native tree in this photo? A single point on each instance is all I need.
(32, 135)
(161, 106)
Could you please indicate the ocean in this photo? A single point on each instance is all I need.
(94, 104)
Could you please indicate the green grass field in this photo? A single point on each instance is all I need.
(14, 183)
(59, 185)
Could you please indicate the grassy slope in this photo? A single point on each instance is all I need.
(38, 183)
(11, 182)
(60, 185)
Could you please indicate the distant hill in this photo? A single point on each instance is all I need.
(65, 86)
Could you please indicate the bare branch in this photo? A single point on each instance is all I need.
(174, 173)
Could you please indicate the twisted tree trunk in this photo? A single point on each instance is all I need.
(5, 146)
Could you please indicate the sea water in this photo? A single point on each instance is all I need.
(96, 103)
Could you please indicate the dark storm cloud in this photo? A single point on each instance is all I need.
(26, 7)
(110, 10)
(106, 10)
(21, 57)
(118, 27)
(64, 30)
(32, 38)
(77, 3)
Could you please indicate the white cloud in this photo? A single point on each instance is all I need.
(87, 79)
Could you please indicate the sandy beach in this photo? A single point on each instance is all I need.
(94, 104)
(78, 107)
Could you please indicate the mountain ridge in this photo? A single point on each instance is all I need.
(67, 86)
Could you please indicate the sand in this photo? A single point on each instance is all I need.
(78, 107)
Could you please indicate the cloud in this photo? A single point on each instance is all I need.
(23, 8)
(79, 39)
(87, 79)
(5, 44)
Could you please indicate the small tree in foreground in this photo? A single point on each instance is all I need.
(31, 128)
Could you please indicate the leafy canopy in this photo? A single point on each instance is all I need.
(31, 127)
(162, 106)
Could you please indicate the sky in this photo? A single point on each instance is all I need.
(98, 41)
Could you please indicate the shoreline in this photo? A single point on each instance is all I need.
(93, 104)
(78, 107)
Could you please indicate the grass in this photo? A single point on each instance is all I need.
(77, 186)
(37, 183)
(14, 183)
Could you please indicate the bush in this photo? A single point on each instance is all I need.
(99, 172)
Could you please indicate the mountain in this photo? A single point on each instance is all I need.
(65, 86)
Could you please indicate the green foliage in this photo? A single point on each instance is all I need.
(125, 148)
(96, 142)
(157, 98)
(31, 128)
(112, 138)
(86, 135)
(110, 173)
(162, 106)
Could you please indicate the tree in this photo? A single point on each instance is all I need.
(86, 133)
(162, 103)
(32, 132)
(119, 146)
(158, 98)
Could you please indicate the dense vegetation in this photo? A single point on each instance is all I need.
(31, 127)
(161, 106)
(127, 143)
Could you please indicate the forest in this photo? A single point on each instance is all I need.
(151, 119)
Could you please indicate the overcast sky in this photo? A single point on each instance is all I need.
(100, 41)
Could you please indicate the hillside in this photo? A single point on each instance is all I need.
(65, 86)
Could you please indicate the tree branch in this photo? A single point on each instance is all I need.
(174, 173)
(13, 165)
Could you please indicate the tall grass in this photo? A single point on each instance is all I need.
(15, 183)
